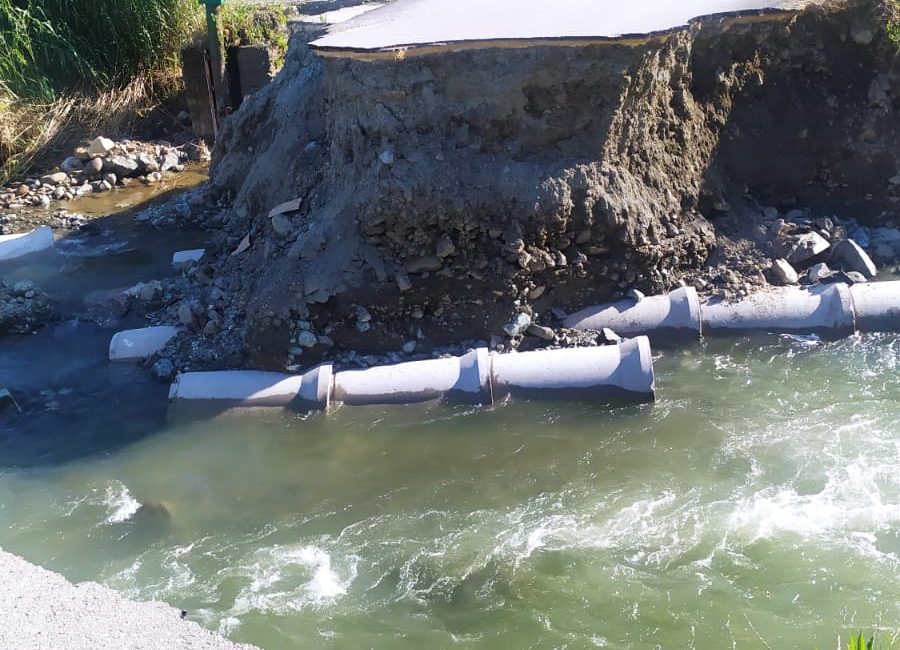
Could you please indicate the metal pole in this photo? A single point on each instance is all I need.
(215, 53)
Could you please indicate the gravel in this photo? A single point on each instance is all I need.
(41, 610)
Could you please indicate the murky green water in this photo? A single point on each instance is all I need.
(756, 504)
(758, 501)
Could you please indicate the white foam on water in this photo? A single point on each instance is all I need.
(286, 579)
(120, 504)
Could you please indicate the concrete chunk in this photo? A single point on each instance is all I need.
(853, 258)
(134, 345)
(181, 259)
(13, 246)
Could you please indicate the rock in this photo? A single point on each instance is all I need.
(169, 162)
(163, 370)
(186, 313)
(403, 282)
(72, 164)
(100, 146)
(610, 337)
(540, 332)
(55, 179)
(852, 257)
(282, 225)
(94, 165)
(59, 194)
(861, 33)
(146, 163)
(635, 295)
(895, 180)
(517, 325)
(423, 265)
(409, 347)
(444, 247)
(110, 178)
(824, 223)
(121, 166)
(152, 177)
(820, 272)
(362, 314)
(386, 157)
(784, 272)
(307, 339)
(853, 277)
(22, 287)
(802, 248)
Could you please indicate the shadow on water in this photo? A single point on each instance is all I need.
(74, 402)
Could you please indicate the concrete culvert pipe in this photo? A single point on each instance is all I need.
(877, 306)
(611, 372)
(822, 308)
(674, 315)
(255, 388)
(465, 378)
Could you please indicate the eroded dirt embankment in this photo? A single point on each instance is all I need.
(441, 194)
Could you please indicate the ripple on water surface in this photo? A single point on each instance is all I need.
(758, 499)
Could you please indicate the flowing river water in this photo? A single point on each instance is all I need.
(756, 504)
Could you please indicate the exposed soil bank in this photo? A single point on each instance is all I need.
(43, 610)
(439, 194)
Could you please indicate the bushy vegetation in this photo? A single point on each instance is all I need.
(69, 67)
(53, 47)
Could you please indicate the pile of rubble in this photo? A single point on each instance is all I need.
(23, 307)
(99, 167)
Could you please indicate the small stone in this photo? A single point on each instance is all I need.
(403, 282)
(721, 206)
(307, 339)
(163, 370)
(100, 146)
(517, 325)
(362, 314)
(610, 337)
(282, 225)
(110, 178)
(71, 164)
(169, 162)
(386, 157)
(541, 332)
(820, 272)
(635, 295)
(784, 272)
(185, 313)
(121, 166)
(146, 163)
(852, 257)
(445, 247)
(802, 248)
(409, 347)
(94, 165)
(55, 179)
(895, 180)
(212, 328)
(420, 265)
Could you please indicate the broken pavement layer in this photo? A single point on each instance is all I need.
(444, 192)
(437, 24)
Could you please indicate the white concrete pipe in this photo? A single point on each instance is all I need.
(826, 308)
(676, 314)
(877, 306)
(609, 371)
(309, 391)
(134, 345)
(13, 246)
(465, 378)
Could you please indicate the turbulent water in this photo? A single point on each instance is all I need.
(756, 504)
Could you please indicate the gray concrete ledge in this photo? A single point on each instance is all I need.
(41, 610)
(418, 23)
